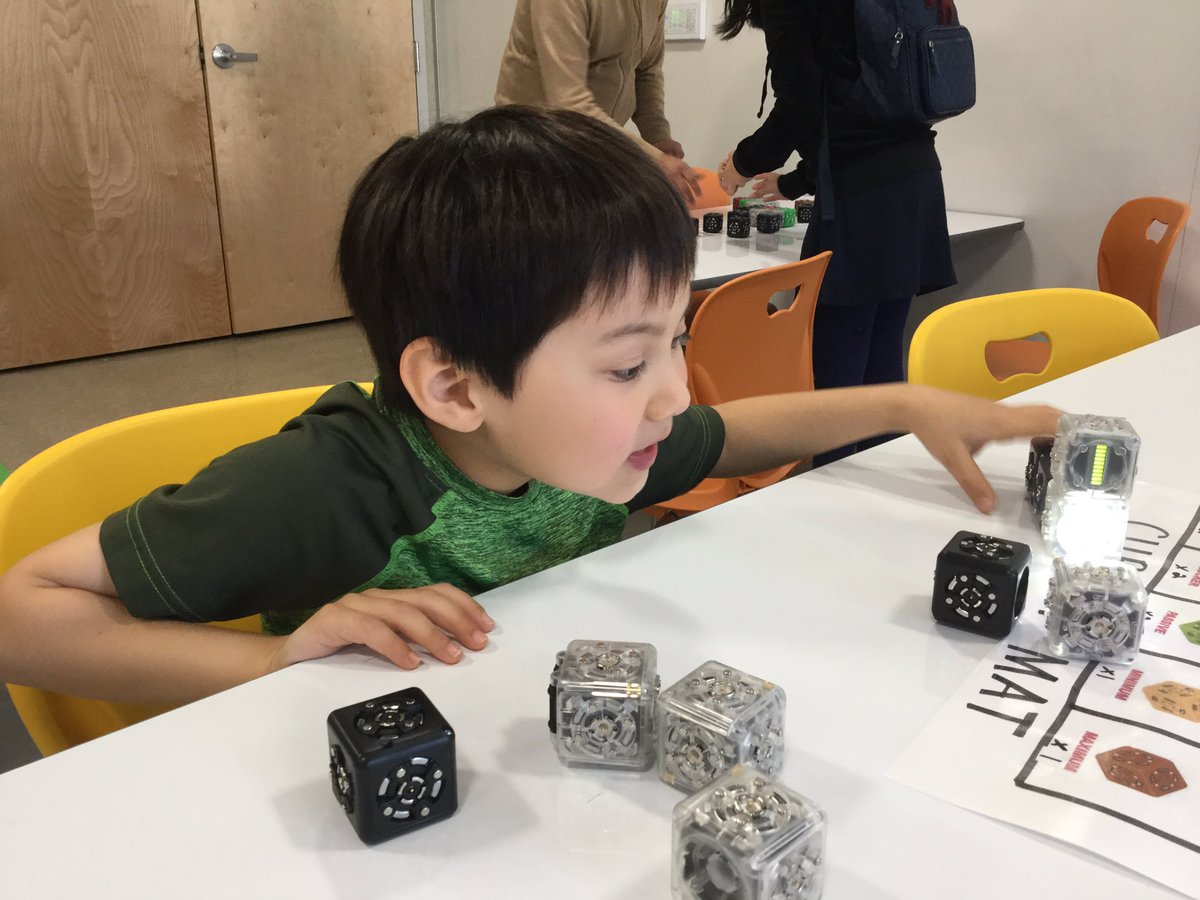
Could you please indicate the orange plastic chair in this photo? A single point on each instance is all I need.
(82, 479)
(948, 349)
(711, 192)
(1130, 264)
(739, 349)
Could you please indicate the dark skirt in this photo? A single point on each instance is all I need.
(888, 242)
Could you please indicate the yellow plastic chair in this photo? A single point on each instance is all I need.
(82, 479)
(1083, 327)
(1130, 264)
(741, 349)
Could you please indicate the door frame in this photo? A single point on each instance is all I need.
(424, 17)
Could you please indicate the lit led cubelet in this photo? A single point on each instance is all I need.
(747, 837)
(1095, 611)
(714, 718)
(1092, 470)
(602, 696)
(1082, 527)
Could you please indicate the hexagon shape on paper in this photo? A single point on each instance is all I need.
(1191, 631)
(1141, 771)
(1174, 698)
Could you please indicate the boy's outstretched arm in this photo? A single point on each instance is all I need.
(62, 628)
(764, 432)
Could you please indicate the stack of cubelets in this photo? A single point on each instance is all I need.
(716, 734)
(1079, 484)
(1096, 603)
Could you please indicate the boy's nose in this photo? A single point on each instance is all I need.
(673, 397)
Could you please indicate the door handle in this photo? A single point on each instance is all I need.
(225, 56)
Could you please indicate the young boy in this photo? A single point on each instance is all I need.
(522, 279)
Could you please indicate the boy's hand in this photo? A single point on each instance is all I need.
(389, 622)
(954, 427)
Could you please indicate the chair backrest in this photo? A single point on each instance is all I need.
(711, 193)
(1131, 263)
(82, 479)
(739, 348)
(1082, 327)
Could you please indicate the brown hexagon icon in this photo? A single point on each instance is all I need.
(1142, 771)
(1174, 698)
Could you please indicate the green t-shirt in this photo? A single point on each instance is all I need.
(350, 496)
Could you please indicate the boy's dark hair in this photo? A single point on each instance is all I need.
(483, 235)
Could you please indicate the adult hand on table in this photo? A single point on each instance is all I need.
(390, 622)
(683, 176)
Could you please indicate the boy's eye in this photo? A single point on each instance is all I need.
(629, 374)
(681, 340)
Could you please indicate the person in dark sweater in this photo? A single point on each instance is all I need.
(886, 219)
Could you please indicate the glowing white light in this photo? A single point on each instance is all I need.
(1087, 527)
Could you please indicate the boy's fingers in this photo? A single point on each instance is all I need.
(407, 619)
(342, 625)
(380, 637)
(966, 472)
(449, 616)
(425, 616)
(1028, 421)
(466, 602)
(456, 612)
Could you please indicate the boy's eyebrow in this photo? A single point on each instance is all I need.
(632, 328)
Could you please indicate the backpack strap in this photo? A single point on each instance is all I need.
(762, 101)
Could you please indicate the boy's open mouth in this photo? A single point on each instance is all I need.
(644, 458)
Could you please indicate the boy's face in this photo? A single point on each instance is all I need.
(593, 400)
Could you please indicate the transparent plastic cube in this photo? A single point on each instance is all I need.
(715, 717)
(1082, 527)
(1095, 611)
(602, 700)
(747, 837)
(1092, 470)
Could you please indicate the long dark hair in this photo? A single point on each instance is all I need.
(738, 14)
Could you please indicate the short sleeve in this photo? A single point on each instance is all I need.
(685, 458)
(286, 523)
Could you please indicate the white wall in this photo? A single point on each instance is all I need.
(1081, 106)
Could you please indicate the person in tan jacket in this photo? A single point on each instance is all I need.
(599, 57)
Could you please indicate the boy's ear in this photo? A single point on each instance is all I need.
(443, 391)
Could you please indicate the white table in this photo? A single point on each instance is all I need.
(720, 258)
(820, 583)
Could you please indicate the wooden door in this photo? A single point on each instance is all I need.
(334, 84)
(109, 235)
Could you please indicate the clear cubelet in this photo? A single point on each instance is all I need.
(715, 717)
(602, 697)
(1092, 470)
(1095, 611)
(747, 837)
